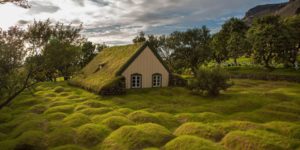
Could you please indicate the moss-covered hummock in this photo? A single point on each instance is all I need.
(91, 134)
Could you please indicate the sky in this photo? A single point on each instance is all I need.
(117, 22)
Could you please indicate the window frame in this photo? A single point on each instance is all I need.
(160, 81)
(140, 81)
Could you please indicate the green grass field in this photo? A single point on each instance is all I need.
(252, 115)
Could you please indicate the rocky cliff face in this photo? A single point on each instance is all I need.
(283, 9)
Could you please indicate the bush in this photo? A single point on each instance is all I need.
(62, 136)
(137, 137)
(187, 142)
(31, 140)
(116, 122)
(91, 134)
(200, 130)
(76, 119)
(257, 140)
(143, 117)
(209, 81)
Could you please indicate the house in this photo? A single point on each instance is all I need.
(138, 65)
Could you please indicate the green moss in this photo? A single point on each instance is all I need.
(95, 111)
(167, 120)
(137, 137)
(33, 124)
(59, 89)
(38, 109)
(91, 134)
(143, 117)
(125, 111)
(62, 136)
(56, 116)
(8, 144)
(229, 126)
(288, 129)
(65, 109)
(200, 130)
(76, 119)
(2, 136)
(5, 117)
(257, 139)
(31, 140)
(100, 118)
(199, 117)
(116, 122)
(94, 103)
(68, 147)
(187, 142)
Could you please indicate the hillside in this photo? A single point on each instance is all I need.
(250, 115)
(283, 9)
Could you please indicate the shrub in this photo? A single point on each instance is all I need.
(200, 130)
(209, 81)
(187, 142)
(137, 137)
(76, 119)
(62, 136)
(257, 140)
(91, 134)
(56, 116)
(116, 122)
(31, 140)
(68, 147)
(143, 117)
(64, 109)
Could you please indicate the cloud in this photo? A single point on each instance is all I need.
(118, 21)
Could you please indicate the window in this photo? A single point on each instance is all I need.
(136, 81)
(156, 80)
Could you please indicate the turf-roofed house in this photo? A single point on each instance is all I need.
(118, 68)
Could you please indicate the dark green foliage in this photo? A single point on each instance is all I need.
(210, 81)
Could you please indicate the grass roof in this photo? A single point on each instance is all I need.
(111, 60)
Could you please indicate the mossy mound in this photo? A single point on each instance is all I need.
(116, 122)
(167, 120)
(65, 109)
(187, 142)
(68, 147)
(8, 144)
(61, 136)
(288, 129)
(2, 136)
(31, 140)
(38, 109)
(91, 134)
(5, 117)
(257, 140)
(36, 124)
(141, 116)
(56, 116)
(76, 119)
(59, 89)
(199, 117)
(59, 102)
(125, 111)
(100, 118)
(137, 137)
(95, 111)
(229, 126)
(94, 103)
(200, 130)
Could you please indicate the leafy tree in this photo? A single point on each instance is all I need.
(219, 48)
(140, 38)
(191, 48)
(62, 56)
(237, 45)
(88, 53)
(100, 47)
(209, 81)
(269, 38)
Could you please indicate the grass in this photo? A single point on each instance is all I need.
(252, 114)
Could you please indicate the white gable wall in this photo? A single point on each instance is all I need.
(146, 64)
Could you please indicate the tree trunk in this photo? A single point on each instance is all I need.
(235, 62)
(8, 100)
(66, 78)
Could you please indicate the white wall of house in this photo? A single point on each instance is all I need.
(146, 64)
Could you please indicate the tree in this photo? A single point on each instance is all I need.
(140, 38)
(88, 53)
(269, 38)
(62, 56)
(219, 48)
(191, 48)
